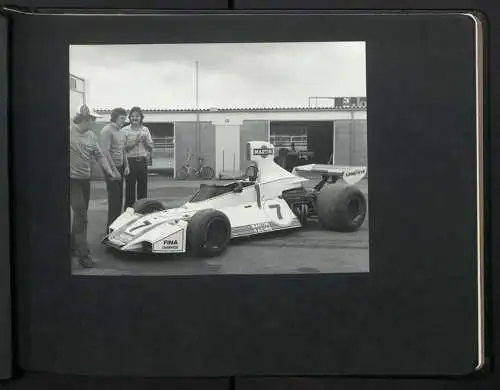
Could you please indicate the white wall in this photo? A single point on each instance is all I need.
(227, 146)
(75, 100)
(233, 118)
(77, 94)
(80, 83)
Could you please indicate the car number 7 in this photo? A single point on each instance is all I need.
(278, 210)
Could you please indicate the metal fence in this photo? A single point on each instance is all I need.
(163, 156)
(299, 142)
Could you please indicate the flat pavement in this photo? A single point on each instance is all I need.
(308, 250)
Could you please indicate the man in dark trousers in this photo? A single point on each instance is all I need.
(112, 140)
(139, 145)
(83, 148)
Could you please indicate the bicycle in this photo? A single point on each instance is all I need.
(187, 171)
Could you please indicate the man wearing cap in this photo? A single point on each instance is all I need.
(84, 147)
(112, 141)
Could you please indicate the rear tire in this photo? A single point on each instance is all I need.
(148, 206)
(341, 208)
(208, 233)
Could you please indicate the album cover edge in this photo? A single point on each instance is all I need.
(480, 193)
(5, 266)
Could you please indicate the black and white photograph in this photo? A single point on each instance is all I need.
(218, 158)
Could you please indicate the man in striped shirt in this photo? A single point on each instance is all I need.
(112, 140)
(138, 146)
(83, 148)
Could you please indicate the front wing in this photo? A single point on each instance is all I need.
(173, 243)
(162, 237)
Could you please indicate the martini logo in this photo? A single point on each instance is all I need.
(263, 151)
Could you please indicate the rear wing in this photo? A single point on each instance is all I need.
(351, 175)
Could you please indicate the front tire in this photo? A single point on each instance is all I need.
(208, 233)
(148, 206)
(341, 208)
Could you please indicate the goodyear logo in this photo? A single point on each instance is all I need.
(353, 172)
(263, 151)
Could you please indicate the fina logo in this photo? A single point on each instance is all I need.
(263, 151)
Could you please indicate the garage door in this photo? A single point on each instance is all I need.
(351, 142)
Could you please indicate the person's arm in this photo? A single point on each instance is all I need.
(148, 140)
(105, 142)
(131, 141)
(103, 162)
(125, 159)
(101, 159)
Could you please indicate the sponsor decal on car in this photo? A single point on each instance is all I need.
(354, 175)
(262, 227)
(263, 151)
(170, 244)
(355, 171)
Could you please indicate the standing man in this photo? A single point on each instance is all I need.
(112, 140)
(83, 147)
(139, 145)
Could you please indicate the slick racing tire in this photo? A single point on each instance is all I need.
(341, 208)
(148, 206)
(208, 233)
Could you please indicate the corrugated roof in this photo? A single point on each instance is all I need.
(240, 109)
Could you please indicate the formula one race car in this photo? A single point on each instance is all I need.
(273, 200)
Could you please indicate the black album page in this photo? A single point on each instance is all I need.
(269, 194)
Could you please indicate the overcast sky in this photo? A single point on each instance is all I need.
(230, 75)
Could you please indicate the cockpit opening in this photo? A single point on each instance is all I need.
(209, 191)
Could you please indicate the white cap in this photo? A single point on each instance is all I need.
(84, 110)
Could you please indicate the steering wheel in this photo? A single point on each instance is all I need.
(237, 187)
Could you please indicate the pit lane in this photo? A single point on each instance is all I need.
(309, 250)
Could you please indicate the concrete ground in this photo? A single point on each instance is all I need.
(310, 250)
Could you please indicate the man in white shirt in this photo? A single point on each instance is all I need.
(138, 146)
